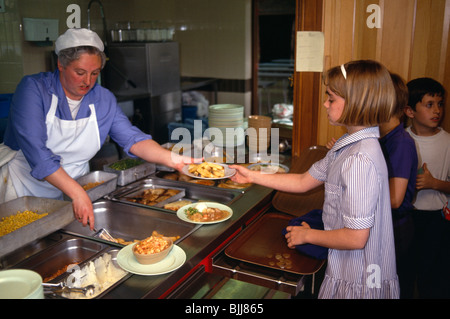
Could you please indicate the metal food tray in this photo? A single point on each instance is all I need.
(108, 183)
(113, 252)
(192, 192)
(131, 222)
(68, 251)
(263, 240)
(132, 174)
(60, 214)
(123, 195)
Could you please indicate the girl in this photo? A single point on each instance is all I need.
(356, 212)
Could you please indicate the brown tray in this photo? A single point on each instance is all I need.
(262, 241)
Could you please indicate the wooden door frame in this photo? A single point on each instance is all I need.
(307, 85)
(306, 91)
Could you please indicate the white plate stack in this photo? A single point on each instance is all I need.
(226, 116)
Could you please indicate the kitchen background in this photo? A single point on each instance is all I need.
(214, 37)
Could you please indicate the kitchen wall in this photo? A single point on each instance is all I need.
(214, 37)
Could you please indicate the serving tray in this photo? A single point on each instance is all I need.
(263, 244)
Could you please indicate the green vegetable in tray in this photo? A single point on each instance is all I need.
(125, 164)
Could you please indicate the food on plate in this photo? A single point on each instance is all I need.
(152, 245)
(203, 213)
(268, 168)
(154, 233)
(11, 223)
(207, 170)
(126, 242)
(153, 196)
(173, 238)
(91, 185)
(177, 205)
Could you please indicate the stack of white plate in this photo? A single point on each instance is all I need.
(20, 284)
(226, 116)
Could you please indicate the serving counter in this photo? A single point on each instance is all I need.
(205, 246)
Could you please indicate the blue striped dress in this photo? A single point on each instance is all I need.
(357, 197)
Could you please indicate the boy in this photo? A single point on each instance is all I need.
(426, 110)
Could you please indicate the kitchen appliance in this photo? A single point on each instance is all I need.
(148, 73)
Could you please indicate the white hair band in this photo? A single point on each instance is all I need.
(344, 72)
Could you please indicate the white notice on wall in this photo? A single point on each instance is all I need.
(310, 50)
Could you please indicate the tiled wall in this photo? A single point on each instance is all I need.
(214, 36)
(11, 56)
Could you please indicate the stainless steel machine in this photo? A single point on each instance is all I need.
(148, 73)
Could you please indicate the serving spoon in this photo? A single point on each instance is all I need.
(62, 287)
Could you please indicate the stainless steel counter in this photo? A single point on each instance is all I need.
(198, 246)
(199, 243)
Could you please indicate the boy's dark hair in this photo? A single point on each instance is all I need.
(418, 88)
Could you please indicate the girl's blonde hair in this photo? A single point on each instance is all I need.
(367, 89)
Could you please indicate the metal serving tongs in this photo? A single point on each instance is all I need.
(104, 234)
(62, 287)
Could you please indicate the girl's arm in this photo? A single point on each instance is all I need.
(343, 238)
(293, 183)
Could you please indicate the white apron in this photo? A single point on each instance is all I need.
(76, 142)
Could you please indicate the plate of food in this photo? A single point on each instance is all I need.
(204, 213)
(269, 168)
(208, 170)
(127, 260)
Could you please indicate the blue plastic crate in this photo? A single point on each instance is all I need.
(189, 112)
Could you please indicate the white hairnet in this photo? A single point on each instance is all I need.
(78, 37)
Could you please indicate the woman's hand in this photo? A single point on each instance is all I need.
(152, 152)
(179, 161)
(296, 235)
(81, 203)
(83, 210)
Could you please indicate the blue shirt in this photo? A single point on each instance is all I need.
(400, 153)
(30, 104)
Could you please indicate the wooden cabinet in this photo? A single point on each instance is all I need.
(412, 41)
